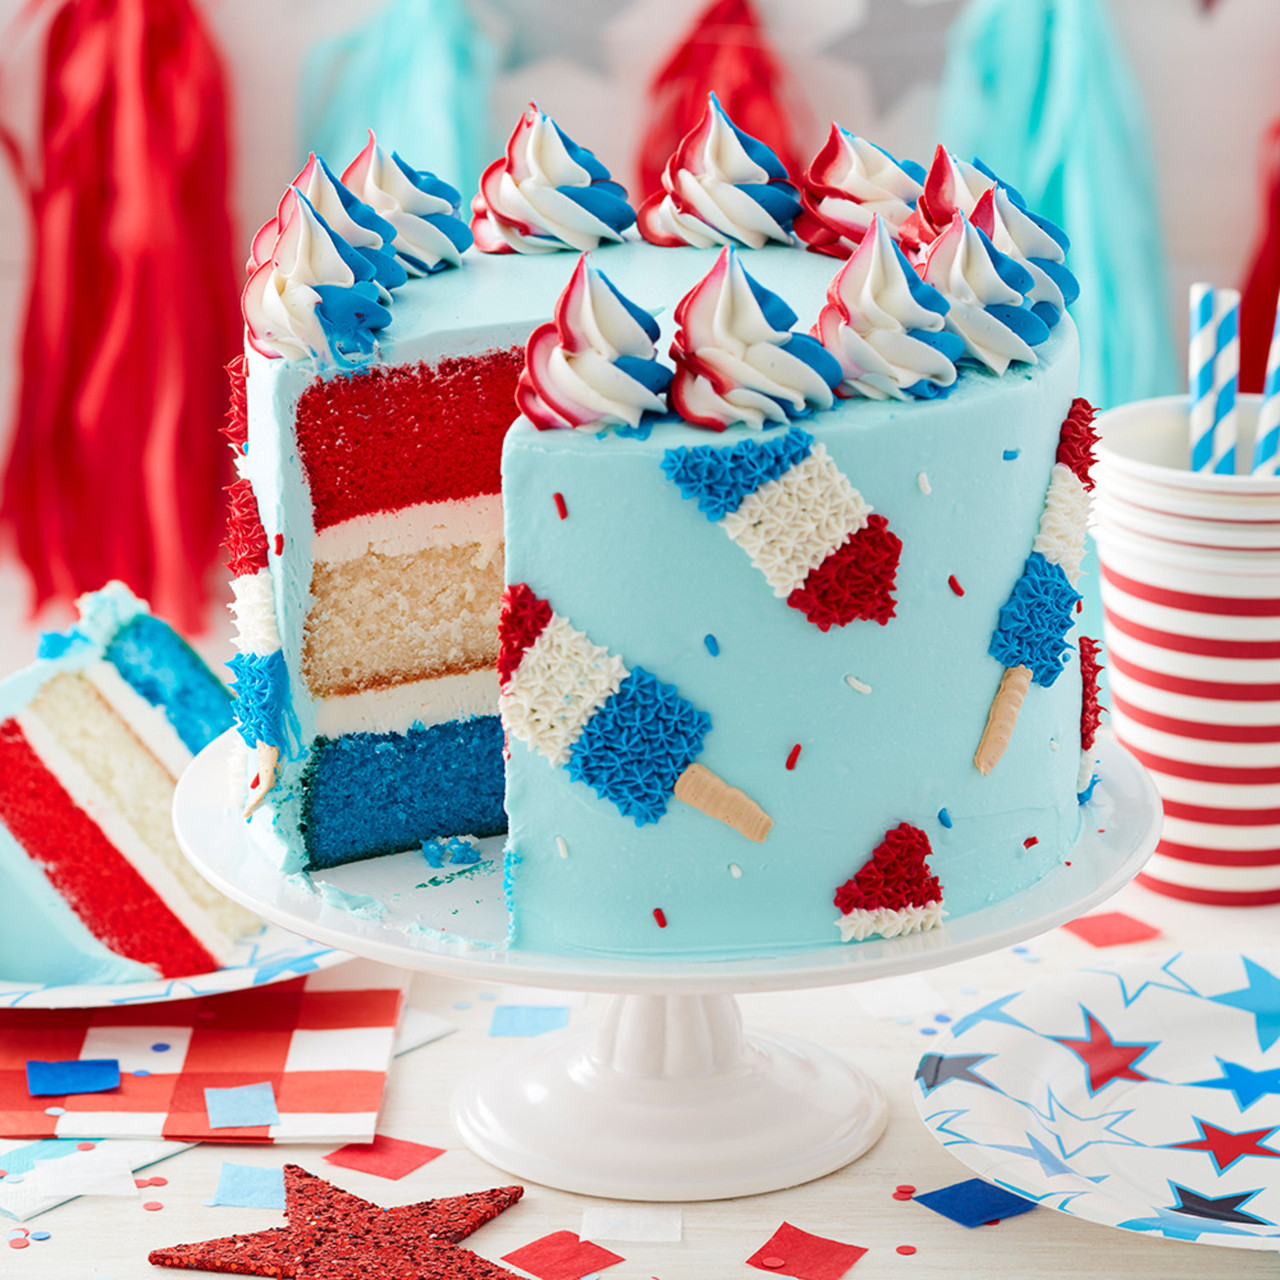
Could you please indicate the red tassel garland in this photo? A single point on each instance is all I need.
(725, 50)
(117, 469)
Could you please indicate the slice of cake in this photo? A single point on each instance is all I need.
(93, 737)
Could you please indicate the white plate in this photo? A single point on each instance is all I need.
(458, 927)
(1163, 1116)
(269, 954)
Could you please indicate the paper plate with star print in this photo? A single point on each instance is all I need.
(1142, 1095)
(266, 955)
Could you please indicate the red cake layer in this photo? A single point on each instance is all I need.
(389, 438)
(98, 882)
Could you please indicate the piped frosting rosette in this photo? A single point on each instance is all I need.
(886, 327)
(849, 182)
(547, 193)
(736, 358)
(595, 364)
(314, 296)
(1034, 242)
(986, 289)
(422, 210)
(721, 186)
(347, 217)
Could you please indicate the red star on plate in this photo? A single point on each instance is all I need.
(1226, 1147)
(333, 1235)
(1106, 1059)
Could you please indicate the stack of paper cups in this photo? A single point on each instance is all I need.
(1191, 603)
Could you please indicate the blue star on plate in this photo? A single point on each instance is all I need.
(269, 969)
(1138, 975)
(1260, 998)
(941, 1121)
(936, 1069)
(1177, 1226)
(993, 1012)
(1050, 1164)
(1216, 1209)
(1244, 1084)
(1073, 1133)
(1061, 1198)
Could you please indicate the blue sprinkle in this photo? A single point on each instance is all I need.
(1010, 454)
(713, 645)
(945, 818)
(942, 1017)
(928, 1031)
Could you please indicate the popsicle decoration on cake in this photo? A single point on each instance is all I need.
(805, 527)
(894, 892)
(595, 364)
(632, 739)
(721, 186)
(547, 193)
(1030, 640)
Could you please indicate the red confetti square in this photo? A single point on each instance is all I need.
(384, 1157)
(1111, 929)
(562, 1256)
(792, 1252)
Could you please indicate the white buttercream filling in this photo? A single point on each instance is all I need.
(411, 529)
(397, 708)
(149, 723)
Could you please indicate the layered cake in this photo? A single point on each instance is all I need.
(93, 737)
(849, 709)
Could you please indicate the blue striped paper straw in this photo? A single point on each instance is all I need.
(1266, 441)
(1226, 379)
(1200, 361)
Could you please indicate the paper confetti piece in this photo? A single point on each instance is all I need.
(1111, 929)
(973, 1203)
(100, 1172)
(792, 1252)
(82, 1075)
(562, 1256)
(242, 1107)
(249, 1186)
(657, 1223)
(384, 1157)
(527, 1019)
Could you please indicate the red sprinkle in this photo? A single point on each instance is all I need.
(253, 786)
(906, 1249)
(152, 1205)
(955, 585)
(279, 544)
(1029, 841)
(1066, 864)
(561, 510)
(660, 916)
(793, 756)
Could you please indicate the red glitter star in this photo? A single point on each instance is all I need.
(333, 1235)
(1106, 1059)
(1226, 1147)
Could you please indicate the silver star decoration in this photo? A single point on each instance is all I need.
(539, 29)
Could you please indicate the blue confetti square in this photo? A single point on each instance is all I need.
(81, 1075)
(249, 1186)
(974, 1203)
(527, 1019)
(242, 1107)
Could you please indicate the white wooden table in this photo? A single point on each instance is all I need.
(95, 1237)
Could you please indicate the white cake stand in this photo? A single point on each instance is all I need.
(666, 1099)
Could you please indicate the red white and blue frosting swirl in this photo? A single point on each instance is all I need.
(737, 360)
(547, 193)
(595, 365)
(314, 296)
(886, 326)
(987, 292)
(422, 210)
(849, 182)
(720, 187)
(346, 216)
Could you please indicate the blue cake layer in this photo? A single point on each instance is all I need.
(160, 666)
(366, 794)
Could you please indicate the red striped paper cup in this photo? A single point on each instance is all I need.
(1190, 568)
